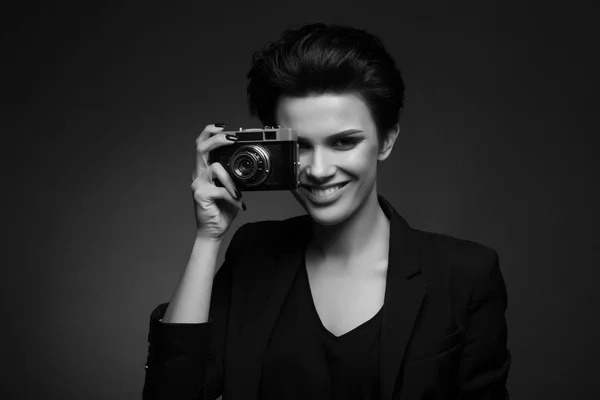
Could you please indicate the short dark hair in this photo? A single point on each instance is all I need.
(326, 58)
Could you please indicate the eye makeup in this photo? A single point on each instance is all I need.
(349, 136)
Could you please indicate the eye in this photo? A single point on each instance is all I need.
(345, 143)
(302, 144)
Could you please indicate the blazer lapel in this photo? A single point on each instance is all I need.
(402, 301)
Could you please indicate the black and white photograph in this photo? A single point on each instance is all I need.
(319, 200)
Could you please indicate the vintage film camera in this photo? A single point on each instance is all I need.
(261, 159)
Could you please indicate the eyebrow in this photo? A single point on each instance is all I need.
(338, 135)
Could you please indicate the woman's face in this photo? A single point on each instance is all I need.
(339, 150)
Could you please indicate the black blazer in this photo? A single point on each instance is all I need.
(443, 332)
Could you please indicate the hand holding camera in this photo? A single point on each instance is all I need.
(215, 206)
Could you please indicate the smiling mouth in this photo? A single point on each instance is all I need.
(324, 193)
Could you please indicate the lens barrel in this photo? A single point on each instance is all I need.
(250, 164)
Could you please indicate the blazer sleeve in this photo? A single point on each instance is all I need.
(185, 361)
(485, 360)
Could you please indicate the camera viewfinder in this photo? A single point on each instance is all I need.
(270, 135)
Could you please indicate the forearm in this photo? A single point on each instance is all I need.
(190, 302)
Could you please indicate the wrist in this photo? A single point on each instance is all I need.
(207, 240)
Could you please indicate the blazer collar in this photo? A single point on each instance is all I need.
(402, 302)
(404, 294)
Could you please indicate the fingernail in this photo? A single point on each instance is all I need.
(238, 194)
(244, 206)
(219, 125)
(233, 138)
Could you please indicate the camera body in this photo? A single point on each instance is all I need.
(261, 159)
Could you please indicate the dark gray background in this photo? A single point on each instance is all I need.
(102, 106)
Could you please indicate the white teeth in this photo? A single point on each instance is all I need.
(326, 192)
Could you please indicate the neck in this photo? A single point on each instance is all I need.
(365, 235)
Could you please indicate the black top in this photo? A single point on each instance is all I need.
(305, 361)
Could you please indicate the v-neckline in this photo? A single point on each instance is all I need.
(317, 317)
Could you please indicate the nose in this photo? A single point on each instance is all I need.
(318, 168)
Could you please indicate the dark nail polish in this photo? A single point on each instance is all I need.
(233, 138)
(219, 125)
(244, 206)
(238, 194)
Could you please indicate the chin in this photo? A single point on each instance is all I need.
(328, 218)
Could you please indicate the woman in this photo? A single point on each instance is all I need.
(346, 301)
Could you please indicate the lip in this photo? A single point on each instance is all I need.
(324, 187)
(328, 199)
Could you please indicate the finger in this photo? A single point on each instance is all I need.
(218, 171)
(206, 146)
(209, 130)
(201, 159)
(212, 194)
(215, 141)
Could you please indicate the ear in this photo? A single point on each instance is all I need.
(388, 143)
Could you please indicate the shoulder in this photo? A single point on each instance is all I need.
(464, 262)
(452, 248)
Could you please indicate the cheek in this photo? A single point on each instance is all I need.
(360, 161)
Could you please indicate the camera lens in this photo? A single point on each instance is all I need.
(244, 166)
(250, 164)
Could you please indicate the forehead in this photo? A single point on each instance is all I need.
(324, 114)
